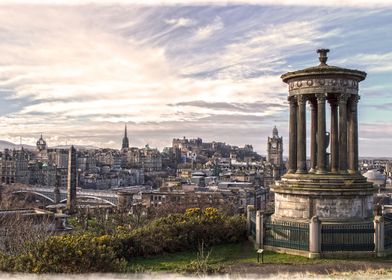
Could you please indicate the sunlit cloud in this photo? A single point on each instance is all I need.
(372, 62)
(180, 22)
(77, 73)
(209, 30)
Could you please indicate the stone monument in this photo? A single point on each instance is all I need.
(331, 189)
(72, 180)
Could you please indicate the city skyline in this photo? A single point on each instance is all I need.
(78, 73)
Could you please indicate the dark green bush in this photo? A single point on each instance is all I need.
(87, 252)
(181, 232)
(6, 263)
(70, 254)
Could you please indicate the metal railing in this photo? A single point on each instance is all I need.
(347, 237)
(290, 235)
(388, 234)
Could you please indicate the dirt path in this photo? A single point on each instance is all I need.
(318, 268)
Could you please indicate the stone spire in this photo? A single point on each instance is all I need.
(125, 141)
(275, 132)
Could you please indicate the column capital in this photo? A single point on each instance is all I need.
(321, 97)
(301, 99)
(342, 98)
(354, 102)
(355, 98)
(292, 99)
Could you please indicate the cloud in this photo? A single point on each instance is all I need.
(78, 73)
(243, 108)
(180, 22)
(331, 3)
(81, 78)
(205, 32)
(263, 51)
(372, 62)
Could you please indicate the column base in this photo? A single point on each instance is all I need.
(381, 254)
(291, 171)
(300, 171)
(351, 171)
(314, 255)
(312, 170)
(322, 171)
(343, 172)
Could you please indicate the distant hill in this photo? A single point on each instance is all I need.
(9, 145)
(78, 147)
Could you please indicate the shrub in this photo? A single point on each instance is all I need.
(180, 232)
(193, 212)
(6, 263)
(88, 252)
(70, 254)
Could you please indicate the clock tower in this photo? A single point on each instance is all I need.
(275, 149)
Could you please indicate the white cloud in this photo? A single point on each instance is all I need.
(209, 30)
(330, 3)
(83, 77)
(79, 73)
(180, 22)
(263, 50)
(372, 62)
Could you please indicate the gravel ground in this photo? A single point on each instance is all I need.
(347, 268)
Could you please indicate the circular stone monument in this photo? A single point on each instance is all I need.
(331, 186)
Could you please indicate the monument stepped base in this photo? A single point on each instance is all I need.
(330, 197)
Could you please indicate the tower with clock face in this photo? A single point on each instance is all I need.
(275, 149)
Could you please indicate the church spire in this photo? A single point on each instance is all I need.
(125, 141)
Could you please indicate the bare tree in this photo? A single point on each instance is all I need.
(18, 230)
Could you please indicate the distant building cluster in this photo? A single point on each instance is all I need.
(190, 172)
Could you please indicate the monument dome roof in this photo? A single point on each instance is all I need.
(324, 69)
(41, 141)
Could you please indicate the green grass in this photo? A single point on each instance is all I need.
(222, 255)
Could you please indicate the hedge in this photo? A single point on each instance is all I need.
(86, 252)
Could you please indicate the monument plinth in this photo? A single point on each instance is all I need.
(331, 188)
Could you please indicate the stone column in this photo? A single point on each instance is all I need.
(259, 229)
(293, 135)
(321, 134)
(301, 135)
(353, 134)
(72, 180)
(334, 136)
(56, 191)
(249, 209)
(313, 133)
(379, 236)
(314, 238)
(343, 133)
